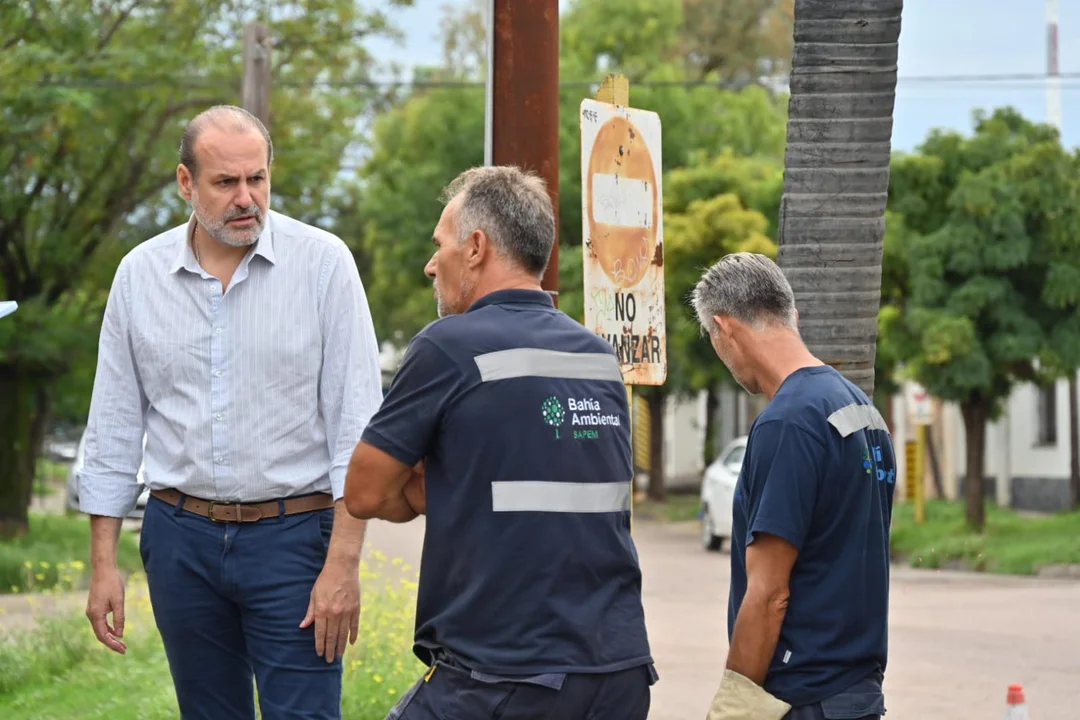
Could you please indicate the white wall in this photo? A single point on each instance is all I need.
(684, 442)
(684, 432)
(1013, 438)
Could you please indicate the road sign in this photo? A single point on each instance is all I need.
(917, 402)
(623, 236)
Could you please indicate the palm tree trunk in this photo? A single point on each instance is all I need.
(836, 175)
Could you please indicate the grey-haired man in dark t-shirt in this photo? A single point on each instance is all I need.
(808, 608)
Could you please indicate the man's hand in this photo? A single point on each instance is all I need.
(335, 608)
(107, 596)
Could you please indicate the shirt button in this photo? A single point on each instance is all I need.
(218, 416)
(220, 461)
(217, 331)
(218, 373)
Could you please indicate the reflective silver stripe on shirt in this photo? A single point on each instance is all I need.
(534, 362)
(852, 418)
(564, 497)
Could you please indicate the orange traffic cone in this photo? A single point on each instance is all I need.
(1016, 705)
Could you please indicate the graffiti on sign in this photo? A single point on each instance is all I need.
(622, 219)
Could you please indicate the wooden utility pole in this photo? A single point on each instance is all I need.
(256, 90)
(523, 98)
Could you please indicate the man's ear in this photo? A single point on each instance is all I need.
(184, 181)
(477, 248)
(723, 326)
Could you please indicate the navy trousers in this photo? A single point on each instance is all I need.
(862, 701)
(450, 690)
(228, 599)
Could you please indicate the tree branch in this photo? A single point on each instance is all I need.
(20, 35)
(17, 266)
(121, 18)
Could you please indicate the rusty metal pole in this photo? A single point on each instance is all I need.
(523, 98)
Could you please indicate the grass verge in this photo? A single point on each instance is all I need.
(55, 555)
(1011, 543)
(60, 672)
(678, 507)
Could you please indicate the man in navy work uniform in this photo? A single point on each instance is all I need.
(507, 424)
(808, 611)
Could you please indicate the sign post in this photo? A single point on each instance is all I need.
(622, 232)
(919, 409)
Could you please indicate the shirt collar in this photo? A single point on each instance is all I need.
(185, 256)
(513, 297)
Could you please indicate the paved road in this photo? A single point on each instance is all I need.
(957, 639)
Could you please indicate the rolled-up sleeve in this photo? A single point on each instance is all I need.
(350, 388)
(113, 445)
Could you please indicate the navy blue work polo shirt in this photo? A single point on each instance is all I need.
(820, 472)
(521, 417)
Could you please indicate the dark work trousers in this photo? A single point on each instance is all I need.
(862, 701)
(228, 599)
(449, 691)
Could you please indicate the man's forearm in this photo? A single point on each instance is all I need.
(347, 538)
(756, 633)
(104, 534)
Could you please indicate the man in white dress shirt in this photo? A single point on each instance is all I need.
(241, 345)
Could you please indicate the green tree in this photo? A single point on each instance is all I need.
(436, 133)
(416, 149)
(843, 87)
(737, 41)
(722, 205)
(94, 97)
(992, 254)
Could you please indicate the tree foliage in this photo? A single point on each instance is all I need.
(723, 205)
(419, 145)
(739, 41)
(716, 200)
(991, 249)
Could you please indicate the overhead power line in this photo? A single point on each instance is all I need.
(193, 82)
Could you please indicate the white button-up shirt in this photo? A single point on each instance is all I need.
(256, 393)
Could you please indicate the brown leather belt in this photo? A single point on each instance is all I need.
(249, 512)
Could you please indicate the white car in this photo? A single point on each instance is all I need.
(73, 483)
(718, 494)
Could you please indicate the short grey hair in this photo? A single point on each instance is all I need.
(226, 117)
(748, 287)
(512, 207)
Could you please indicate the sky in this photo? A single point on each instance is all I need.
(939, 37)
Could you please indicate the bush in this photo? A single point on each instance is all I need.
(55, 555)
(382, 665)
(61, 671)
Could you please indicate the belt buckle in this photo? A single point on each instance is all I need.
(210, 511)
